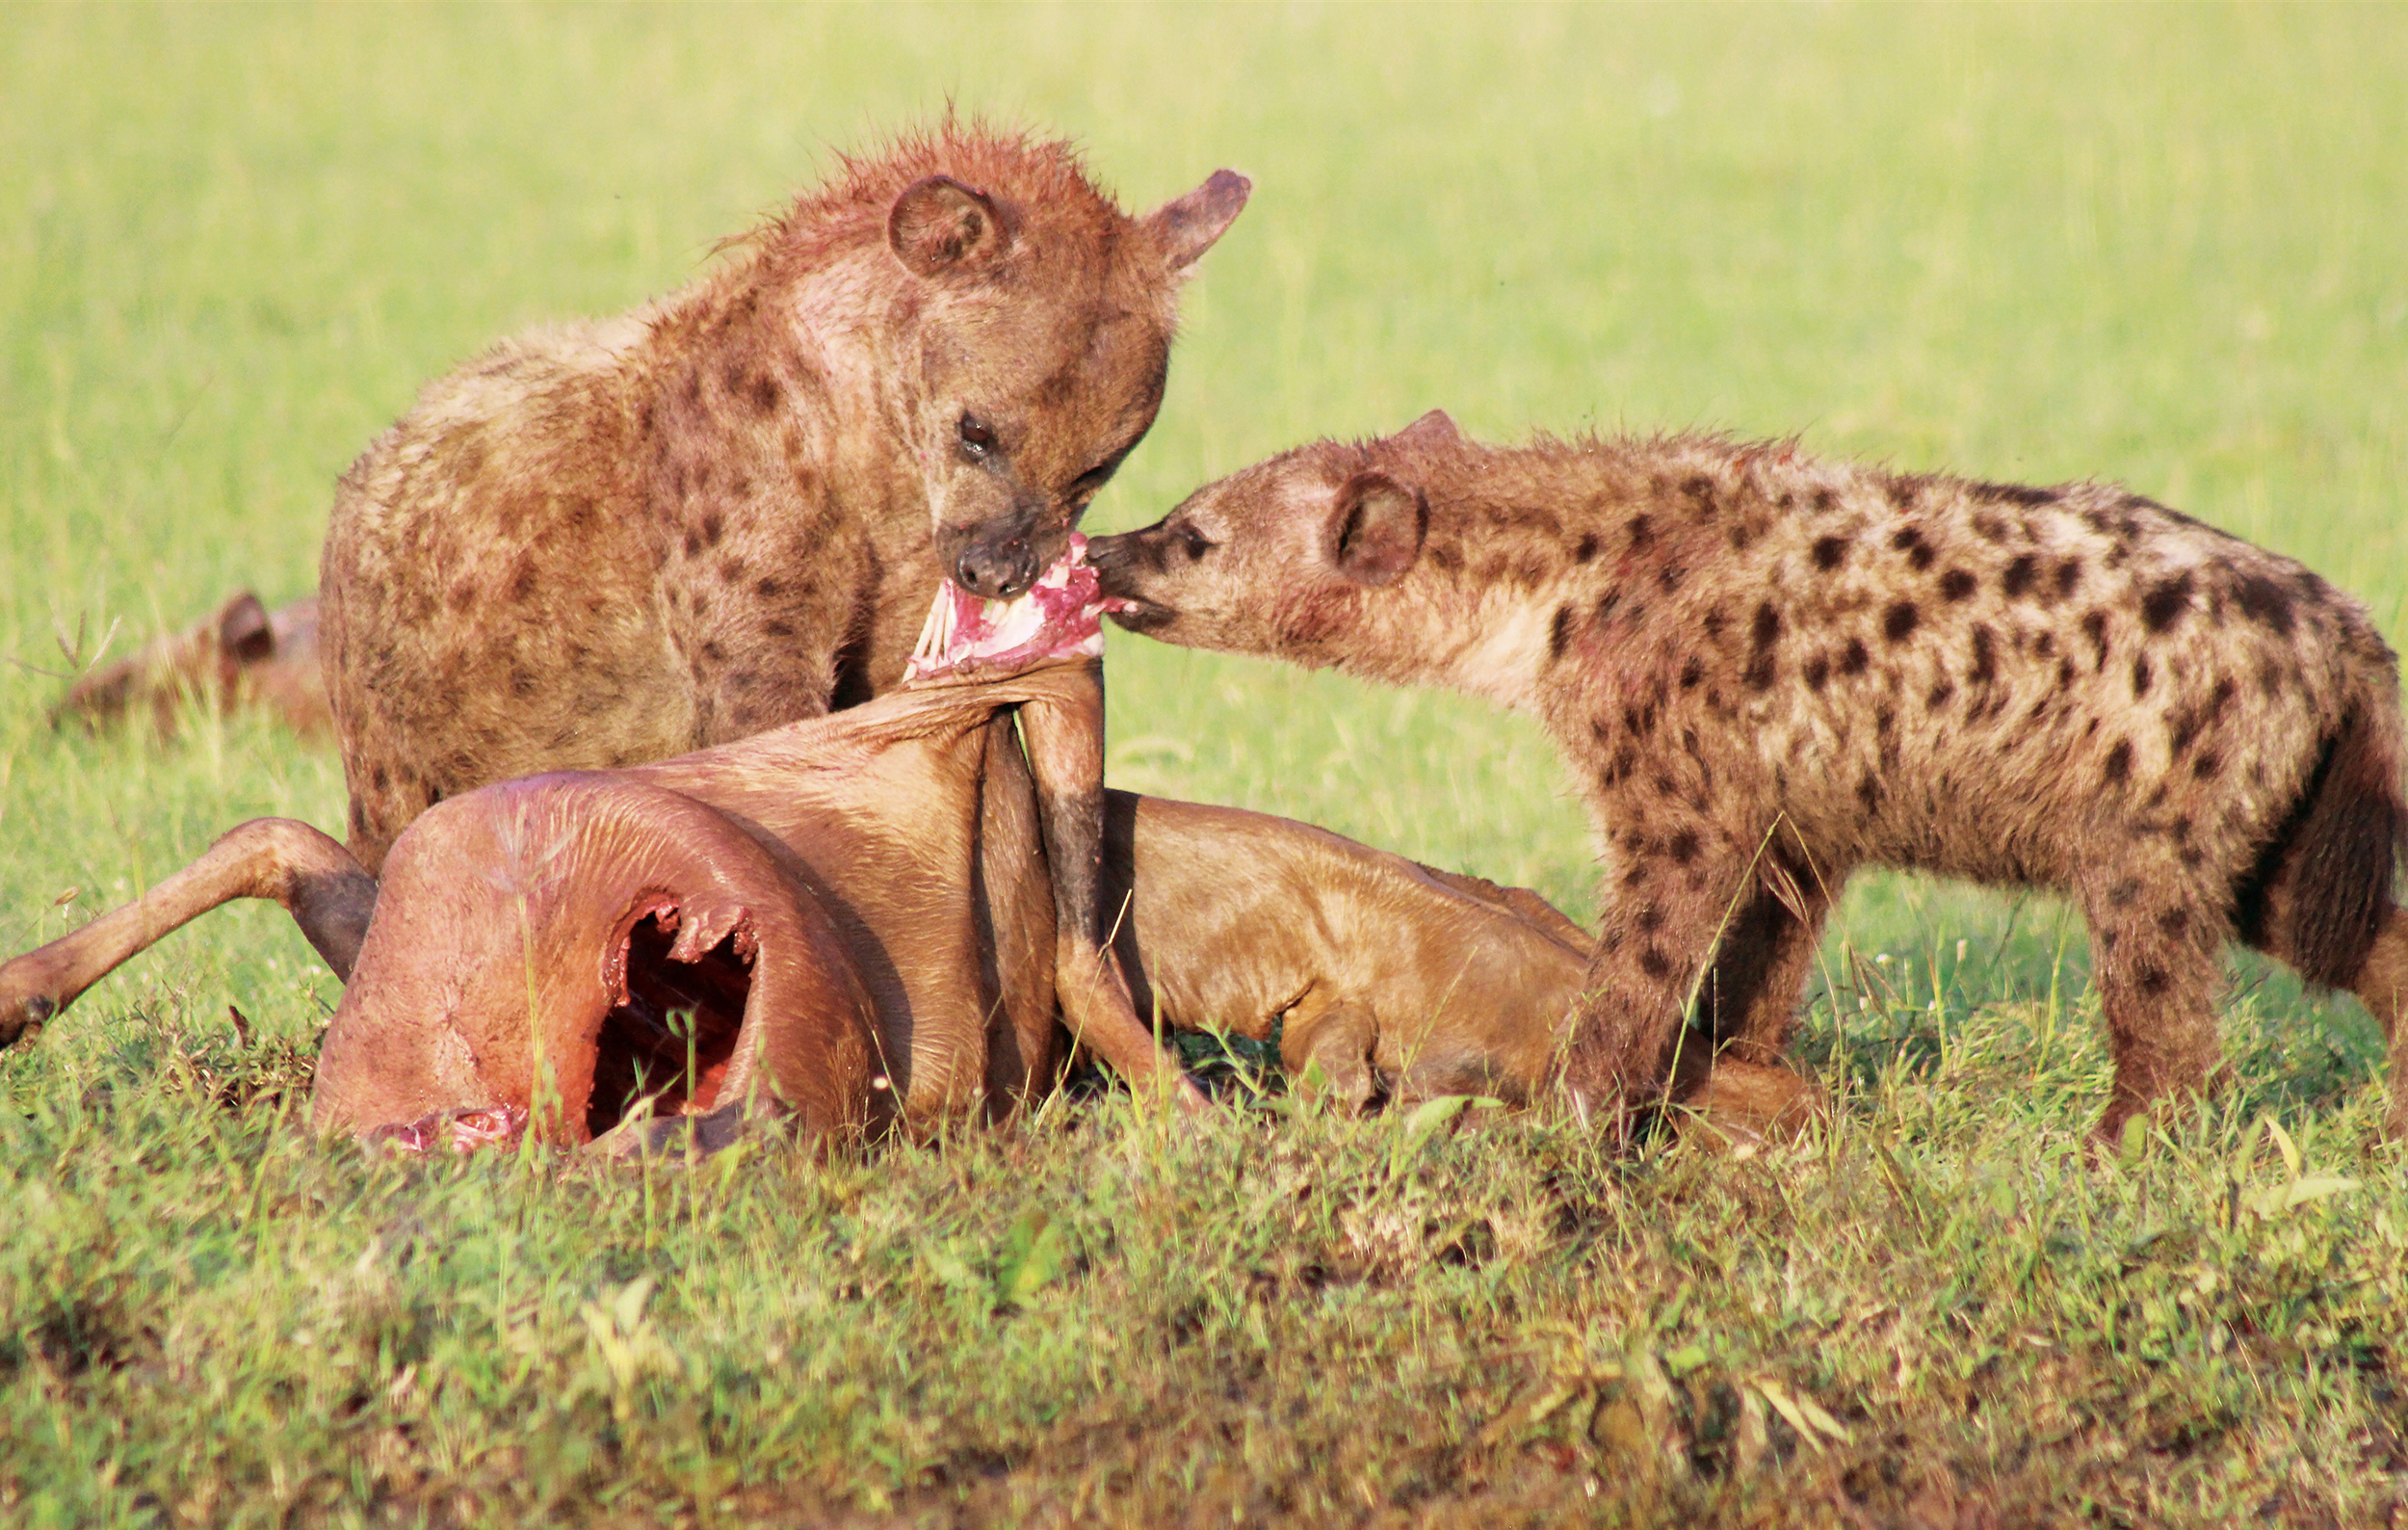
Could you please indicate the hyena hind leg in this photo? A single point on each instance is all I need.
(2156, 938)
(2382, 987)
(2320, 896)
(1750, 999)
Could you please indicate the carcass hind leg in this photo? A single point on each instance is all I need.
(1326, 1048)
(315, 879)
(1064, 739)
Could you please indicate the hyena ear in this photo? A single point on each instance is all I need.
(1375, 529)
(1185, 226)
(245, 635)
(1434, 429)
(939, 225)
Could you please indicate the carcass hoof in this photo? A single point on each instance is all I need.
(678, 1139)
(22, 1019)
(1724, 1104)
(462, 1130)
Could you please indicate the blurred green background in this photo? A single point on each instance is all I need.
(2162, 245)
(2166, 244)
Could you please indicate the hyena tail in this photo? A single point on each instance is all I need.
(2334, 860)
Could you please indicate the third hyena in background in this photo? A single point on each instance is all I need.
(1766, 670)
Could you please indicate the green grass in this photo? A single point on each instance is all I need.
(2160, 244)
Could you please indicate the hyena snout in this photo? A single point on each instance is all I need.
(1130, 568)
(996, 567)
(1000, 559)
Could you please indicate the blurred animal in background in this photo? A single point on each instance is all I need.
(241, 656)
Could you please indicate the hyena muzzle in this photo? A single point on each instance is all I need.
(1765, 670)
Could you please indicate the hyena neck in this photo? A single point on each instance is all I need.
(752, 373)
(1494, 644)
(1532, 550)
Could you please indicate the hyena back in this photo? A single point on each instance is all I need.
(1766, 670)
(618, 542)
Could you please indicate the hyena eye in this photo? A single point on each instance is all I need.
(1191, 542)
(977, 438)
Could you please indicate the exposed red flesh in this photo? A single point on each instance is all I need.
(464, 1129)
(644, 1048)
(1060, 616)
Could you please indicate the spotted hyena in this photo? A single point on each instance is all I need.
(1765, 670)
(621, 541)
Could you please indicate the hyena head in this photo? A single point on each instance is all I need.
(1309, 556)
(1041, 318)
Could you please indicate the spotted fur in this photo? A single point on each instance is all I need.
(616, 542)
(1766, 670)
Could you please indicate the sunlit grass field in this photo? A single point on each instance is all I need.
(2164, 246)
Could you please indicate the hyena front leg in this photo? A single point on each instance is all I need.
(1669, 890)
(1760, 970)
(2157, 928)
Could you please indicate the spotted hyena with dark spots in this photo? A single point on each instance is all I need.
(1765, 670)
(621, 541)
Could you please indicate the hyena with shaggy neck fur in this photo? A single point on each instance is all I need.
(1765, 670)
(619, 542)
